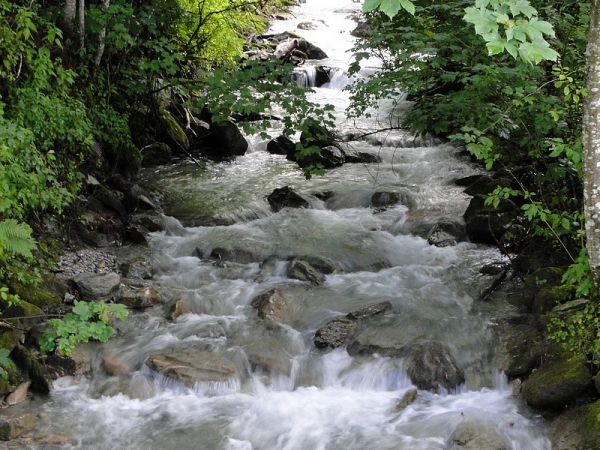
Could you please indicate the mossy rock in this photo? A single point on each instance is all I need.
(36, 295)
(156, 154)
(41, 381)
(577, 428)
(541, 278)
(551, 296)
(174, 136)
(51, 249)
(557, 383)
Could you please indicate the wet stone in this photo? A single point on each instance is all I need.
(303, 271)
(271, 306)
(431, 366)
(191, 366)
(335, 333)
(371, 310)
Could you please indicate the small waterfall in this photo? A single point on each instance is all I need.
(321, 77)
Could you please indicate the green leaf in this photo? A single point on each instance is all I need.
(371, 5)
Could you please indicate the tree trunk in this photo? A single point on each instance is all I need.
(69, 15)
(591, 142)
(81, 27)
(101, 36)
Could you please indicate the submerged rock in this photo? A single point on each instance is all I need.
(431, 365)
(371, 310)
(192, 367)
(473, 434)
(15, 422)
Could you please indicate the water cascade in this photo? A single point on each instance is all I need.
(259, 382)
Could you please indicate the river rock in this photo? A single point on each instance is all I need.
(557, 383)
(281, 145)
(311, 51)
(323, 264)
(138, 267)
(371, 310)
(237, 255)
(303, 271)
(181, 307)
(385, 199)
(286, 197)
(15, 422)
(144, 297)
(329, 157)
(445, 234)
(191, 366)
(271, 306)
(41, 381)
(407, 399)
(519, 350)
(116, 364)
(96, 287)
(156, 154)
(576, 428)
(19, 394)
(319, 136)
(431, 365)
(473, 434)
(335, 333)
(356, 157)
(381, 339)
(225, 141)
(77, 363)
(172, 134)
(486, 224)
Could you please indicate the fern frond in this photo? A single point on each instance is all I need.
(15, 238)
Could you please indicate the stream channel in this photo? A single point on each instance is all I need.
(283, 393)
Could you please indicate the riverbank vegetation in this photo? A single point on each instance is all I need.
(517, 110)
(83, 89)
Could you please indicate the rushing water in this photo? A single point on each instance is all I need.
(308, 399)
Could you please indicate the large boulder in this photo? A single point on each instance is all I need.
(519, 350)
(194, 368)
(225, 141)
(474, 434)
(286, 197)
(303, 271)
(96, 286)
(557, 383)
(430, 366)
(486, 224)
(577, 428)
